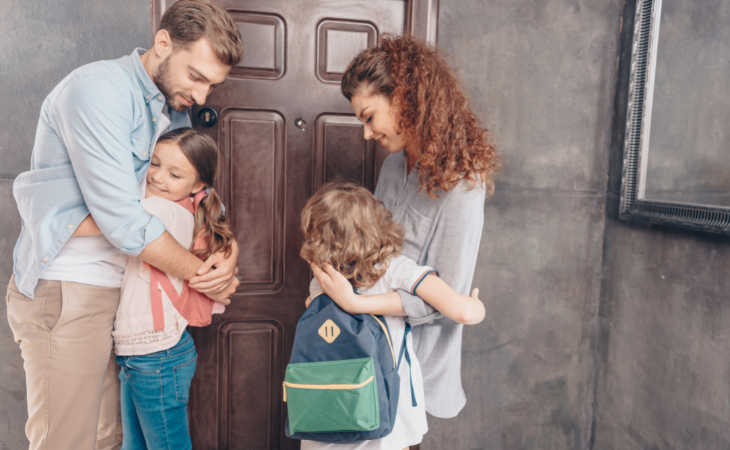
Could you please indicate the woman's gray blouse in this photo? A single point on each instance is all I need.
(443, 233)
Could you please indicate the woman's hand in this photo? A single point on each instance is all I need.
(217, 276)
(334, 284)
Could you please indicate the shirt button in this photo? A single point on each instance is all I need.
(159, 97)
(154, 119)
(146, 97)
(70, 226)
(144, 153)
(45, 259)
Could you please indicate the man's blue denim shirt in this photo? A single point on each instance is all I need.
(92, 147)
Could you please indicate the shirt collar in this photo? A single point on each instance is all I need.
(149, 88)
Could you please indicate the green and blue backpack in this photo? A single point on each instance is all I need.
(342, 384)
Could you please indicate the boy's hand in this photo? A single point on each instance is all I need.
(308, 301)
(334, 284)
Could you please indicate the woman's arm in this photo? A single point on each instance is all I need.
(87, 228)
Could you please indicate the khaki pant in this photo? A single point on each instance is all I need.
(73, 389)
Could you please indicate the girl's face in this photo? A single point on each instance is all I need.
(379, 117)
(171, 175)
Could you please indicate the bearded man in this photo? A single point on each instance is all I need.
(93, 144)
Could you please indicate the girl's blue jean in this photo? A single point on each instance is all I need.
(154, 397)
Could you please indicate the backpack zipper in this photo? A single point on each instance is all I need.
(338, 387)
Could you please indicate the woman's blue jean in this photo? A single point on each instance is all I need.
(154, 397)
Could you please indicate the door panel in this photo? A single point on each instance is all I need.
(284, 130)
(253, 181)
(338, 42)
(341, 154)
(264, 45)
(249, 398)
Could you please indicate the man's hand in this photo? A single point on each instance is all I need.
(308, 301)
(334, 284)
(218, 275)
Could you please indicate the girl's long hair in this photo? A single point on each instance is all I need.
(202, 153)
(346, 226)
(435, 115)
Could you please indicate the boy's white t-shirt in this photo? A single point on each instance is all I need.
(410, 422)
(134, 331)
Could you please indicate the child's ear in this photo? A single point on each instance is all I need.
(198, 186)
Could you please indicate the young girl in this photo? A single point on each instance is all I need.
(353, 237)
(158, 360)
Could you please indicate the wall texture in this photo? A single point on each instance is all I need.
(662, 356)
(599, 334)
(42, 41)
(542, 75)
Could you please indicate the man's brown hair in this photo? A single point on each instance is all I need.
(188, 21)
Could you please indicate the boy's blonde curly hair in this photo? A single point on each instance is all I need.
(346, 226)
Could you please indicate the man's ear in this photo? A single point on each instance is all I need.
(163, 44)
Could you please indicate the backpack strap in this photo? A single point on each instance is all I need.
(387, 336)
(158, 276)
(404, 350)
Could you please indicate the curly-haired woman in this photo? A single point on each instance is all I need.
(435, 183)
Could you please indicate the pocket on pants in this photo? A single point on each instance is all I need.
(15, 295)
(142, 364)
(183, 375)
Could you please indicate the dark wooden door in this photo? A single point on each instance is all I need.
(283, 129)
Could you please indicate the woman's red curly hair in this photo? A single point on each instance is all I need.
(440, 127)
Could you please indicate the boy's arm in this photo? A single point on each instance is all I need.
(340, 290)
(453, 250)
(457, 307)
(433, 290)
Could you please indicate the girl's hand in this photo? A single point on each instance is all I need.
(217, 276)
(335, 285)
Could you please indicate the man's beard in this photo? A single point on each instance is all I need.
(162, 81)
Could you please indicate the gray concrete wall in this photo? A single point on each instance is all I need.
(542, 75)
(662, 358)
(42, 41)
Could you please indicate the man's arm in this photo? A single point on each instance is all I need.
(162, 253)
(94, 118)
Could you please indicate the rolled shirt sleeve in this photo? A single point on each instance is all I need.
(405, 274)
(98, 140)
